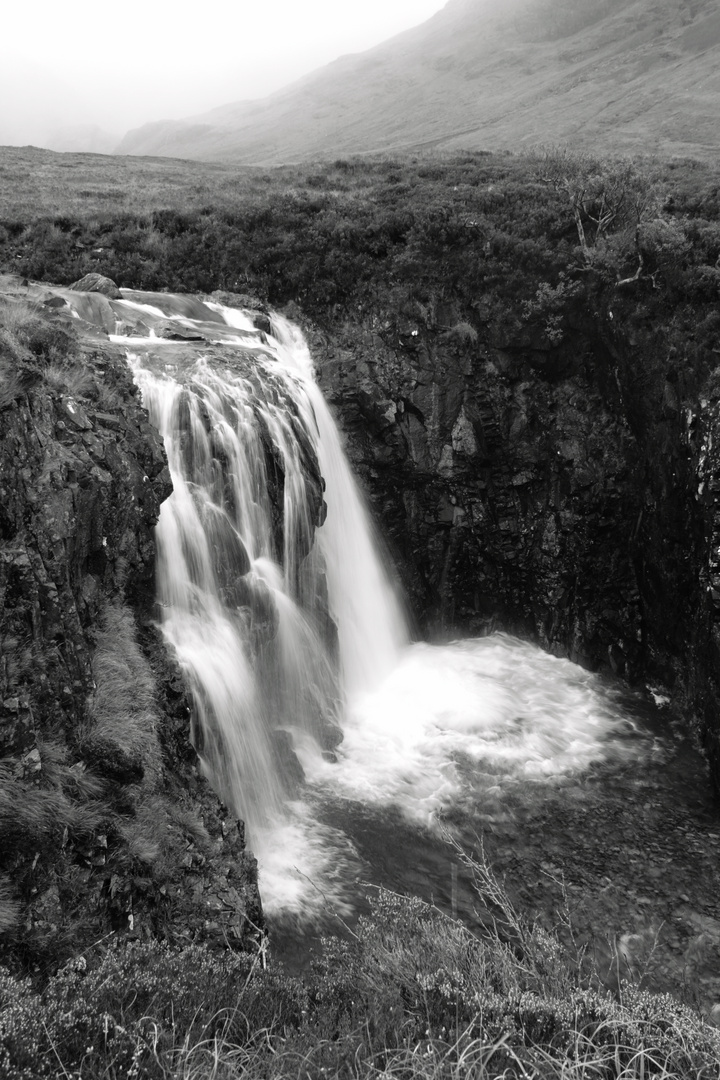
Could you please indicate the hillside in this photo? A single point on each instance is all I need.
(614, 76)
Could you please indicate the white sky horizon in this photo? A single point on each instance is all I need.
(80, 64)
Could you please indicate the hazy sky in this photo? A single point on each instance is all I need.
(120, 65)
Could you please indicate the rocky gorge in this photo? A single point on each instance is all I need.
(534, 423)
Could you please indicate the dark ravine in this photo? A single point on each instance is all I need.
(541, 489)
(523, 484)
(107, 823)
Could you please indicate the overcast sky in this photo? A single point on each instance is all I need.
(121, 65)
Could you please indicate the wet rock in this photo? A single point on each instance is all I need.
(174, 304)
(97, 283)
(253, 594)
(175, 331)
(54, 302)
(288, 766)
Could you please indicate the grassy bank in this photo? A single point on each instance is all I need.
(411, 993)
(524, 248)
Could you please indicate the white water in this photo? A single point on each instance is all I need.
(471, 719)
(371, 626)
(245, 587)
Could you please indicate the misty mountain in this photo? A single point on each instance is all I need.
(37, 108)
(609, 75)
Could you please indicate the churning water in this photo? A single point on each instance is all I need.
(349, 752)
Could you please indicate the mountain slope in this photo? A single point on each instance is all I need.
(613, 75)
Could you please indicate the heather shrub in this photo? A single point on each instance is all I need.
(412, 994)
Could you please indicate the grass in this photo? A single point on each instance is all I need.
(27, 331)
(69, 379)
(35, 347)
(82, 183)
(39, 345)
(85, 834)
(9, 905)
(412, 994)
(58, 793)
(95, 188)
(122, 731)
(11, 386)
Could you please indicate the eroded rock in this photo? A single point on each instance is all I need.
(535, 491)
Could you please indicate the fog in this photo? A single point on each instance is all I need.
(79, 75)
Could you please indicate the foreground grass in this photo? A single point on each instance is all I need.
(412, 994)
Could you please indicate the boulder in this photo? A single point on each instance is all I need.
(97, 283)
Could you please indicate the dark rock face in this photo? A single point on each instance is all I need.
(81, 490)
(536, 489)
(108, 825)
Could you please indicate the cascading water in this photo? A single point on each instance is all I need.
(271, 625)
(371, 626)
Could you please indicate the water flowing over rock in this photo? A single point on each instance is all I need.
(548, 493)
(271, 594)
(107, 825)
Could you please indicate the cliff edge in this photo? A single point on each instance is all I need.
(108, 826)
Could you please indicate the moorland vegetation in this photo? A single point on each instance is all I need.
(409, 993)
(477, 239)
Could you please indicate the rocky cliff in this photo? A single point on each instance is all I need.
(107, 823)
(553, 489)
(558, 485)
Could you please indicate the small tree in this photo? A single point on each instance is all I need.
(617, 210)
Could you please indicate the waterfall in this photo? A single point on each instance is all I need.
(342, 749)
(371, 626)
(271, 593)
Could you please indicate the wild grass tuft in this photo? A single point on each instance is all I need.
(11, 385)
(74, 780)
(10, 909)
(121, 737)
(461, 334)
(38, 347)
(70, 378)
(37, 817)
(28, 329)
